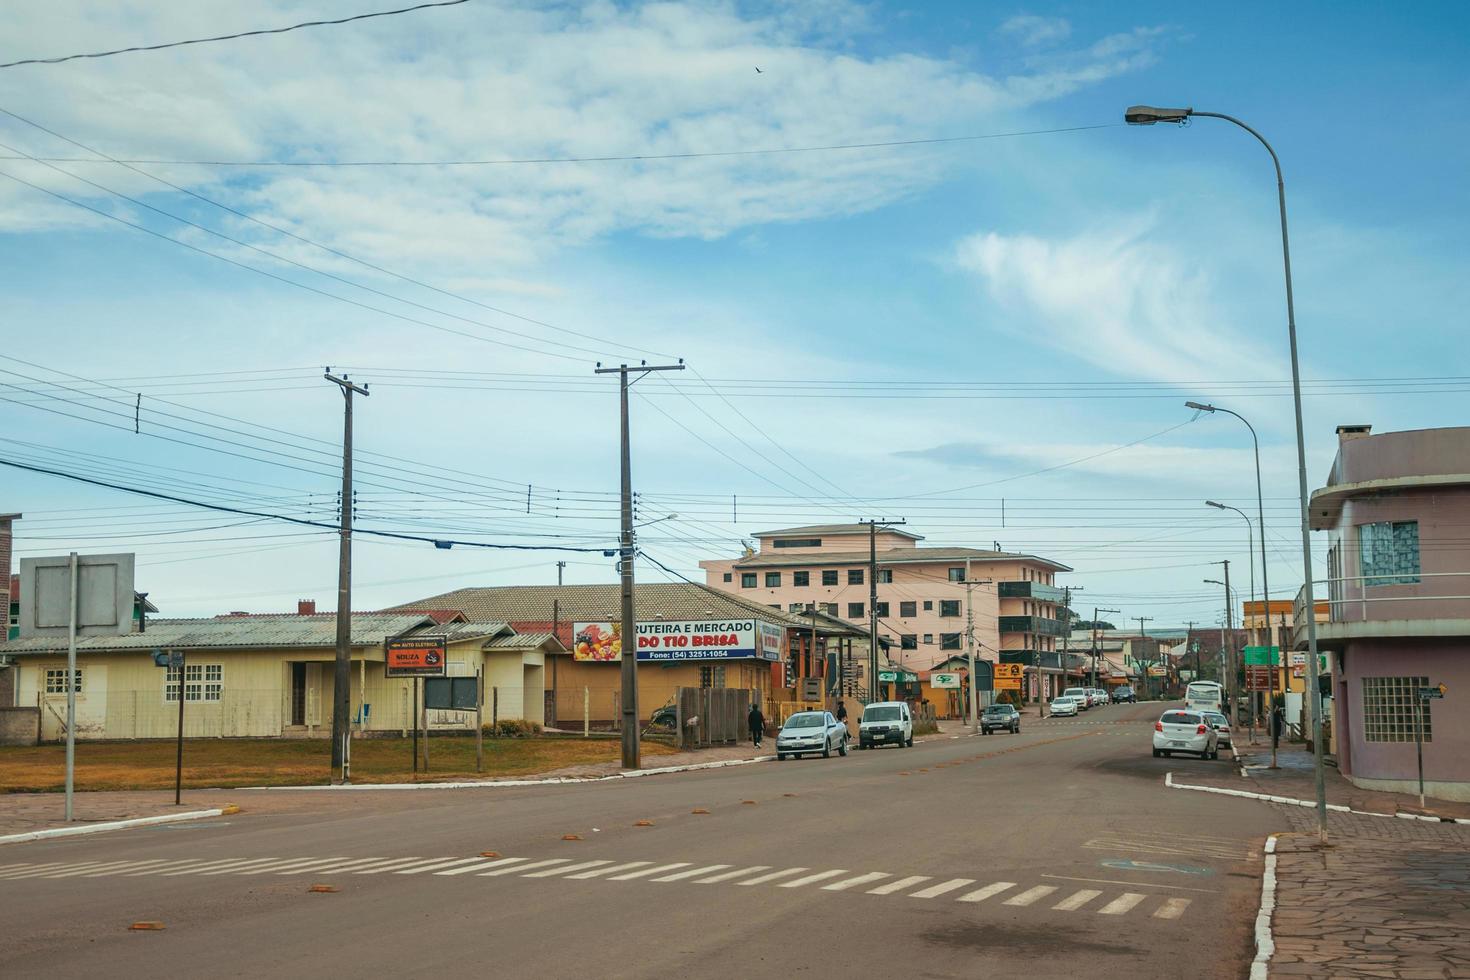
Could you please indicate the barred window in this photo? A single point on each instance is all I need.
(56, 680)
(712, 675)
(202, 682)
(1389, 552)
(1391, 709)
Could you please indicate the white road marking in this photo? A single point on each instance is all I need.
(47, 869)
(387, 866)
(681, 875)
(466, 869)
(981, 894)
(104, 869)
(357, 864)
(762, 879)
(728, 875)
(1031, 894)
(415, 869)
(607, 871)
(644, 872)
(899, 885)
(846, 883)
(167, 866)
(548, 872)
(934, 891)
(523, 867)
(287, 865)
(1121, 904)
(1076, 900)
(207, 865)
(1172, 908)
(810, 879)
(310, 866)
(1115, 881)
(133, 866)
(242, 866)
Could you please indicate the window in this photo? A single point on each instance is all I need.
(1391, 709)
(854, 610)
(881, 608)
(1388, 553)
(797, 543)
(56, 680)
(885, 576)
(829, 577)
(801, 579)
(773, 580)
(909, 641)
(202, 682)
(727, 577)
(747, 580)
(854, 576)
(796, 608)
(928, 637)
(711, 675)
(907, 610)
(949, 607)
(949, 641)
(956, 574)
(928, 605)
(830, 608)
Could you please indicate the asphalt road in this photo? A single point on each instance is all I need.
(1056, 852)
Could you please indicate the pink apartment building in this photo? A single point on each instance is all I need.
(1396, 507)
(924, 607)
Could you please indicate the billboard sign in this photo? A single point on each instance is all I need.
(104, 595)
(451, 693)
(945, 680)
(666, 641)
(1009, 672)
(415, 656)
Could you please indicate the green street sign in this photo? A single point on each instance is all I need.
(1263, 656)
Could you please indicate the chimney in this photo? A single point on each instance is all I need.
(306, 607)
(1346, 433)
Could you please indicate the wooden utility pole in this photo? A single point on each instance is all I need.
(629, 639)
(873, 603)
(970, 644)
(1142, 640)
(342, 673)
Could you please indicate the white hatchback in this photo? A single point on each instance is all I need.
(1064, 705)
(1185, 732)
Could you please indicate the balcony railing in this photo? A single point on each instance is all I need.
(1040, 625)
(1051, 659)
(1029, 590)
(1436, 595)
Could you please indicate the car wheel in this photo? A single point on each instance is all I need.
(842, 748)
(1167, 753)
(781, 756)
(827, 749)
(1157, 753)
(910, 743)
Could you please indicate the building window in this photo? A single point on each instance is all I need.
(881, 608)
(907, 610)
(949, 607)
(928, 605)
(801, 579)
(949, 641)
(56, 680)
(909, 641)
(797, 543)
(829, 577)
(830, 608)
(711, 675)
(773, 580)
(1391, 709)
(1389, 553)
(796, 608)
(747, 580)
(885, 576)
(854, 610)
(202, 682)
(956, 574)
(854, 576)
(728, 577)
(928, 637)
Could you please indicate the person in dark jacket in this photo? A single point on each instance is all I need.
(841, 711)
(757, 722)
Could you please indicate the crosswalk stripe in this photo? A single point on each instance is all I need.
(548, 872)
(728, 875)
(1077, 900)
(416, 869)
(809, 879)
(645, 872)
(166, 866)
(1030, 895)
(468, 868)
(1172, 908)
(681, 875)
(336, 866)
(846, 883)
(599, 872)
(104, 869)
(311, 866)
(206, 866)
(989, 891)
(49, 869)
(762, 879)
(899, 885)
(934, 891)
(239, 867)
(288, 864)
(1121, 904)
(522, 867)
(388, 866)
(130, 866)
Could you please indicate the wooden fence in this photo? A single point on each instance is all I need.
(712, 715)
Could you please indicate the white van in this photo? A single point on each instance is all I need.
(886, 723)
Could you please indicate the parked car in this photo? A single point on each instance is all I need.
(810, 732)
(886, 723)
(1080, 695)
(1221, 725)
(1000, 716)
(1124, 693)
(1066, 705)
(665, 717)
(1185, 732)
(1098, 695)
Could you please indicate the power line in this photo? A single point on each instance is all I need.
(232, 37)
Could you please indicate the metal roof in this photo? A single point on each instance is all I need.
(236, 633)
(837, 529)
(524, 641)
(891, 556)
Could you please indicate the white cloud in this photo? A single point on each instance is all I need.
(1033, 31)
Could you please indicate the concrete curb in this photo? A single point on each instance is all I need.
(1265, 944)
(100, 828)
(510, 783)
(1291, 801)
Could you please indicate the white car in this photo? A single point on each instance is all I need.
(810, 732)
(1101, 695)
(1078, 694)
(1186, 732)
(1063, 706)
(886, 723)
(1221, 725)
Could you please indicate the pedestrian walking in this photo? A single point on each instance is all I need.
(841, 711)
(1278, 724)
(757, 722)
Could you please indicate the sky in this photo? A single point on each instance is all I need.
(914, 263)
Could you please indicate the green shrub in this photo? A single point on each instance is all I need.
(511, 728)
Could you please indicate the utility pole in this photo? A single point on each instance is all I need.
(873, 600)
(629, 640)
(1142, 640)
(1189, 642)
(559, 566)
(1096, 652)
(342, 669)
(970, 643)
(1230, 632)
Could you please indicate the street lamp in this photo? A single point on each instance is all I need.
(1250, 547)
(1227, 660)
(1141, 115)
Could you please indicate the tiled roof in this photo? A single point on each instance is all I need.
(834, 529)
(235, 633)
(890, 556)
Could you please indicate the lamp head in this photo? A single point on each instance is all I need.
(1147, 115)
(1198, 407)
(1211, 503)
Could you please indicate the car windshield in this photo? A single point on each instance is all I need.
(881, 713)
(1180, 718)
(1217, 719)
(998, 709)
(808, 720)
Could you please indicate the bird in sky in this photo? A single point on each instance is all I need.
(758, 71)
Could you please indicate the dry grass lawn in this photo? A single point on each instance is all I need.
(224, 763)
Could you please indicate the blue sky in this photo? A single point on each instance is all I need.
(1106, 275)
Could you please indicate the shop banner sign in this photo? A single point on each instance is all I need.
(418, 656)
(687, 640)
(951, 681)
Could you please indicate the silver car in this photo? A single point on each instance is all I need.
(1221, 725)
(809, 733)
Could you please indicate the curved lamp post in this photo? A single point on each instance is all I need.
(1250, 547)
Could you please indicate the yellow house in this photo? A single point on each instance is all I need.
(269, 675)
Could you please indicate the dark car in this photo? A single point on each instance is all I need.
(1000, 716)
(1124, 693)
